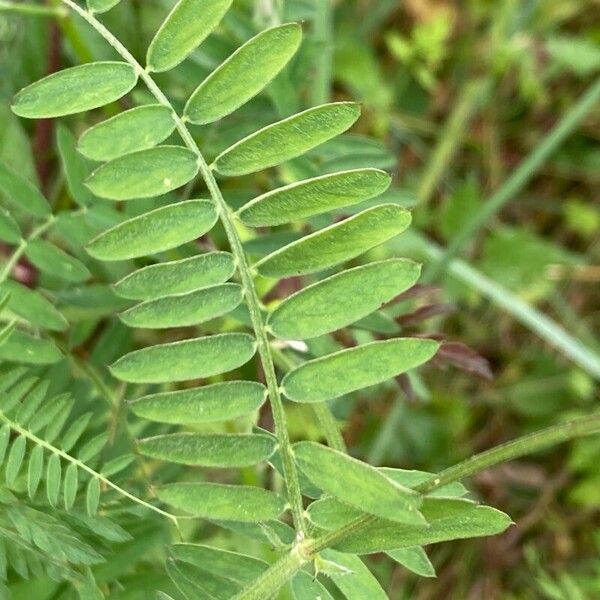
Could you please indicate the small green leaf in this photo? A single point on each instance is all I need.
(412, 479)
(75, 90)
(92, 447)
(21, 193)
(47, 413)
(337, 243)
(75, 431)
(356, 368)
(54, 261)
(9, 229)
(185, 28)
(15, 459)
(130, 131)
(92, 496)
(224, 450)
(357, 582)
(185, 309)
(244, 74)
(223, 502)
(179, 361)
(144, 174)
(34, 470)
(62, 414)
(287, 139)
(116, 465)
(70, 486)
(177, 277)
(216, 402)
(415, 559)
(100, 6)
(7, 330)
(53, 479)
(76, 169)
(357, 483)
(31, 403)
(308, 587)
(156, 231)
(4, 439)
(342, 299)
(314, 197)
(22, 348)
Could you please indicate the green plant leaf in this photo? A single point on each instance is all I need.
(223, 502)
(144, 174)
(224, 450)
(185, 309)
(155, 231)
(357, 582)
(216, 402)
(9, 229)
(177, 277)
(337, 243)
(342, 299)
(4, 440)
(136, 129)
(357, 483)
(15, 459)
(75, 431)
(100, 6)
(92, 496)
(287, 139)
(75, 90)
(21, 193)
(185, 28)
(415, 559)
(54, 261)
(70, 486)
(23, 348)
(307, 587)
(244, 74)
(76, 169)
(178, 361)
(412, 479)
(34, 470)
(314, 197)
(53, 479)
(31, 403)
(198, 584)
(353, 369)
(92, 447)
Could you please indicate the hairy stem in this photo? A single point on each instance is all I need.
(252, 300)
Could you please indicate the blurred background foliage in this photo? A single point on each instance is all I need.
(456, 96)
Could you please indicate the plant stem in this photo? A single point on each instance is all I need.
(517, 181)
(252, 300)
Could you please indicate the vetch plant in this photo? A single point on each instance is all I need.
(317, 506)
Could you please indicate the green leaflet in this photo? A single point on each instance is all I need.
(342, 299)
(314, 197)
(70, 486)
(54, 261)
(177, 277)
(216, 402)
(53, 479)
(412, 479)
(14, 460)
(337, 243)
(308, 587)
(76, 169)
(223, 502)
(32, 306)
(9, 229)
(34, 470)
(356, 368)
(23, 348)
(178, 361)
(185, 28)
(144, 174)
(100, 6)
(356, 483)
(185, 309)
(287, 139)
(135, 129)
(210, 450)
(355, 581)
(198, 584)
(75, 90)
(21, 193)
(92, 496)
(4, 439)
(244, 74)
(155, 231)
(415, 559)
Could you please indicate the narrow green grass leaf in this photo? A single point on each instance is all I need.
(100, 6)
(9, 229)
(21, 193)
(136, 129)
(224, 450)
(4, 439)
(244, 74)
(53, 479)
(15, 460)
(356, 368)
(75, 90)
(23, 348)
(356, 582)
(34, 470)
(185, 309)
(342, 299)
(92, 496)
(216, 402)
(179, 361)
(70, 486)
(314, 197)
(358, 484)
(287, 139)
(155, 231)
(144, 174)
(54, 261)
(308, 587)
(223, 502)
(185, 28)
(415, 559)
(177, 277)
(337, 243)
